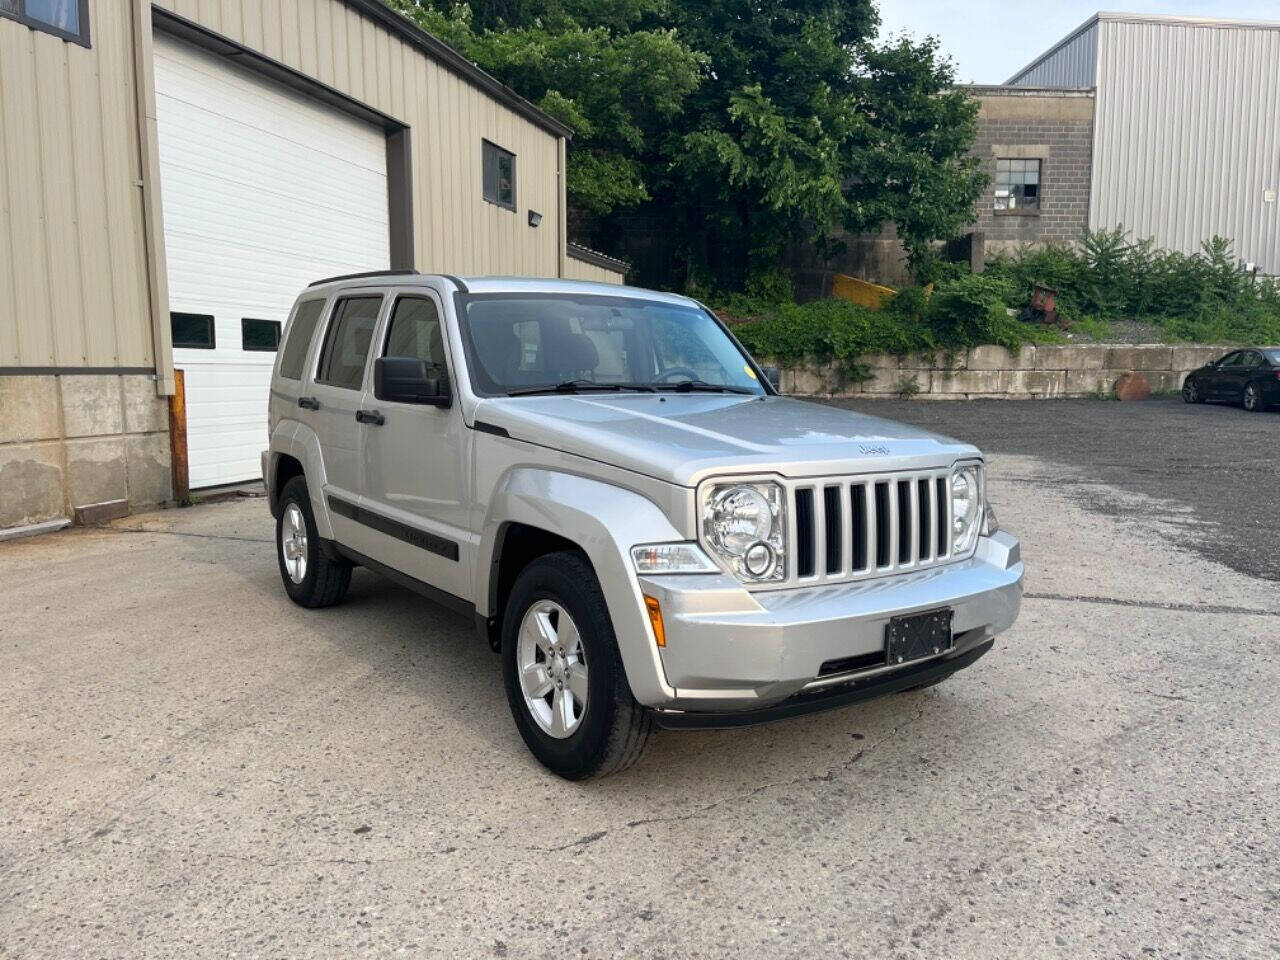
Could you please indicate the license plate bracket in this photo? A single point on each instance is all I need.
(917, 636)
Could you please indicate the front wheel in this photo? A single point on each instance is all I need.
(1253, 398)
(310, 576)
(563, 674)
(1191, 392)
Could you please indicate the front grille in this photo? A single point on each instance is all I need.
(853, 527)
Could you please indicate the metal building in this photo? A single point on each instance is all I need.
(1186, 141)
(173, 173)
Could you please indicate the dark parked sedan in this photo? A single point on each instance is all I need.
(1250, 377)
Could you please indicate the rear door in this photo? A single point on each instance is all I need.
(329, 404)
(1218, 383)
(417, 459)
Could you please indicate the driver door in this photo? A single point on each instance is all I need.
(417, 459)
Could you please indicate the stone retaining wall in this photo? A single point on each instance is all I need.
(1055, 370)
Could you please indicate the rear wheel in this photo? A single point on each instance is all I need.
(1191, 392)
(1253, 398)
(563, 674)
(311, 577)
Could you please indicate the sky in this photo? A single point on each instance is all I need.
(990, 40)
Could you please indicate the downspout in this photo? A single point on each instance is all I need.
(562, 225)
(152, 216)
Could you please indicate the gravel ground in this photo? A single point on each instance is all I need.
(191, 767)
(1218, 464)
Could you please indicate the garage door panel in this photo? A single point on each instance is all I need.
(264, 191)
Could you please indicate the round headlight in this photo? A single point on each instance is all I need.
(740, 517)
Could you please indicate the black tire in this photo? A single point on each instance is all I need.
(326, 579)
(1252, 398)
(1191, 392)
(613, 729)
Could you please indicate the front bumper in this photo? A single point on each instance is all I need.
(731, 650)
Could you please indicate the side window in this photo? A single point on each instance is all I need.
(1231, 359)
(1252, 359)
(300, 333)
(346, 345)
(415, 331)
(499, 175)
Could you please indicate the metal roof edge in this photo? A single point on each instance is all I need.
(1054, 49)
(595, 257)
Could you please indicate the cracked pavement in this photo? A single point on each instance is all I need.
(192, 767)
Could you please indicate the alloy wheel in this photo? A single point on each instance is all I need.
(1252, 398)
(1189, 392)
(553, 669)
(293, 543)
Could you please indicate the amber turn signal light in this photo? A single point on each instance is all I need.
(655, 618)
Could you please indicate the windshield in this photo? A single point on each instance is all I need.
(1273, 355)
(529, 343)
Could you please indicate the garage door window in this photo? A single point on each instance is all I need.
(68, 19)
(260, 335)
(192, 331)
(346, 346)
(499, 175)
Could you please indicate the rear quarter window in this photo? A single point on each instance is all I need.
(298, 339)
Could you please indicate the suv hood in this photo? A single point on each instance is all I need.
(682, 438)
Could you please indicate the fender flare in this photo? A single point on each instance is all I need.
(605, 522)
(296, 440)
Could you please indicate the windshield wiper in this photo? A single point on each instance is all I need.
(579, 386)
(701, 386)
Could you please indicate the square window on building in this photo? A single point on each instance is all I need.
(192, 331)
(259, 334)
(1017, 184)
(68, 19)
(499, 168)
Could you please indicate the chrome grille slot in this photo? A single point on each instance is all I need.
(833, 518)
(805, 533)
(857, 527)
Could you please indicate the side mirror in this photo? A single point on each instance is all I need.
(410, 380)
(774, 376)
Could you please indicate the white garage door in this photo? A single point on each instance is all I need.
(264, 191)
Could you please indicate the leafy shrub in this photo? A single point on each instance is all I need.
(1205, 296)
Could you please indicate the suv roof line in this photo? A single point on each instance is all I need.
(362, 276)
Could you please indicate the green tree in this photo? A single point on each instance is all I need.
(611, 71)
(745, 124)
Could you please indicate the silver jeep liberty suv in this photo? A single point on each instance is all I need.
(613, 489)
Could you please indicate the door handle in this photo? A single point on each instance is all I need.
(371, 416)
(309, 403)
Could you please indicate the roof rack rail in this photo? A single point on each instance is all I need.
(361, 276)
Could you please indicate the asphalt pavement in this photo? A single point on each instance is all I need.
(192, 767)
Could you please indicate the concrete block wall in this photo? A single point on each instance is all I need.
(74, 440)
(1054, 127)
(1033, 372)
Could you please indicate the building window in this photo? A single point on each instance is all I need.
(1017, 184)
(260, 334)
(191, 331)
(499, 175)
(68, 19)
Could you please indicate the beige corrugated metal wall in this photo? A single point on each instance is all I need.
(455, 231)
(73, 287)
(1187, 139)
(576, 269)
